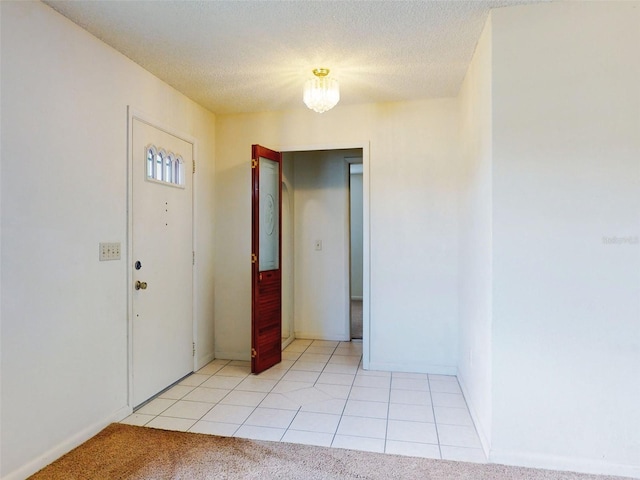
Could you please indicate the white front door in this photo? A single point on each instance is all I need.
(162, 260)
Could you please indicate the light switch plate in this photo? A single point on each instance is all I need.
(109, 251)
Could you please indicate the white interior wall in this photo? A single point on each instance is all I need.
(475, 206)
(566, 174)
(64, 190)
(413, 202)
(288, 247)
(356, 225)
(321, 276)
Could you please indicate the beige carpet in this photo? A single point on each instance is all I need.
(127, 452)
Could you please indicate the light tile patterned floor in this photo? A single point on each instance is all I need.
(320, 395)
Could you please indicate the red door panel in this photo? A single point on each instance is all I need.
(266, 278)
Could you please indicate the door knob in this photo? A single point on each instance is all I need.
(141, 285)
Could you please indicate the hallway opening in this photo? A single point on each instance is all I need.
(322, 280)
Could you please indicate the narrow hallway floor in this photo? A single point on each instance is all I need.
(320, 395)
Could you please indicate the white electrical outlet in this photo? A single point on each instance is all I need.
(109, 251)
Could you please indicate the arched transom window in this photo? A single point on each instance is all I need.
(165, 167)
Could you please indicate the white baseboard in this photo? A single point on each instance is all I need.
(66, 446)
(202, 361)
(244, 356)
(412, 368)
(322, 336)
(552, 462)
(484, 439)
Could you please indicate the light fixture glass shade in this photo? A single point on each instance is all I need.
(321, 93)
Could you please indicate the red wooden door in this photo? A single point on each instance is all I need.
(266, 248)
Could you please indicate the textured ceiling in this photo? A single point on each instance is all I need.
(247, 56)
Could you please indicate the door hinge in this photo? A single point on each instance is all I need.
(254, 258)
(194, 166)
(254, 354)
(254, 163)
(193, 258)
(193, 352)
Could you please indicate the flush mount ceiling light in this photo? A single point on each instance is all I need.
(321, 93)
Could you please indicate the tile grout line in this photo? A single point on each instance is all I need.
(158, 396)
(287, 428)
(234, 389)
(174, 402)
(386, 428)
(218, 402)
(473, 424)
(242, 379)
(345, 402)
(290, 422)
(326, 363)
(300, 406)
(324, 368)
(433, 410)
(267, 394)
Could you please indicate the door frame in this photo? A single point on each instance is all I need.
(134, 113)
(349, 236)
(366, 230)
(287, 217)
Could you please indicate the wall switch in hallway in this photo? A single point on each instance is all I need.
(318, 245)
(109, 251)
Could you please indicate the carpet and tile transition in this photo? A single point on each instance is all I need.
(127, 452)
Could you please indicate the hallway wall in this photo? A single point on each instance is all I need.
(475, 355)
(288, 247)
(413, 197)
(321, 276)
(566, 179)
(64, 190)
(549, 130)
(356, 226)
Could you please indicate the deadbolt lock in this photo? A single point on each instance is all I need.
(141, 285)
